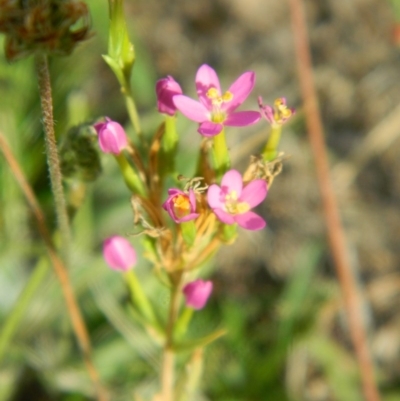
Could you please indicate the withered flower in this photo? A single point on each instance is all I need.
(48, 26)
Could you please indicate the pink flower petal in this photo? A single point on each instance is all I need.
(166, 89)
(224, 216)
(250, 221)
(242, 118)
(191, 108)
(119, 253)
(190, 216)
(215, 197)
(254, 193)
(241, 89)
(197, 293)
(208, 128)
(232, 181)
(206, 78)
(112, 137)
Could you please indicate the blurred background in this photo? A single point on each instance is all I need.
(275, 291)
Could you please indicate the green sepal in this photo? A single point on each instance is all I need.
(271, 148)
(120, 48)
(115, 68)
(191, 345)
(220, 155)
(169, 147)
(131, 179)
(188, 230)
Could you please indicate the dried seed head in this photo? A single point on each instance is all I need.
(49, 26)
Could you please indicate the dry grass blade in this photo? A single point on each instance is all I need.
(77, 321)
(335, 230)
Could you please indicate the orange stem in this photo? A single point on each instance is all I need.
(336, 234)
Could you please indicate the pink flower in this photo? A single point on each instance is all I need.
(217, 109)
(180, 205)
(232, 203)
(112, 137)
(166, 89)
(119, 253)
(278, 114)
(197, 293)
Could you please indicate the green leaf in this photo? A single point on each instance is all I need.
(191, 345)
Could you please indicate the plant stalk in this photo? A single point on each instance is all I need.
(168, 366)
(335, 229)
(53, 161)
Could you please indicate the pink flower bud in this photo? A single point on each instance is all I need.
(119, 253)
(112, 137)
(180, 205)
(166, 89)
(197, 293)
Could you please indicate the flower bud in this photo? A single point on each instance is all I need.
(166, 89)
(119, 253)
(181, 206)
(197, 293)
(112, 137)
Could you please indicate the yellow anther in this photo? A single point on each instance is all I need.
(232, 196)
(181, 205)
(232, 205)
(242, 207)
(227, 96)
(212, 93)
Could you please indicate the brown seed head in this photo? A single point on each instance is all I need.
(49, 26)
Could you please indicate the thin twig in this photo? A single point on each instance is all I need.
(77, 321)
(43, 75)
(335, 230)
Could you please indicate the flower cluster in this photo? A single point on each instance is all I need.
(208, 209)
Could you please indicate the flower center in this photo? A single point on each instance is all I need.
(217, 100)
(233, 206)
(281, 111)
(181, 206)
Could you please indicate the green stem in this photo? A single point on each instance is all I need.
(168, 367)
(183, 322)
(270, 151)
(140, 299)
(14, 318)
(132, 110)
(130, 177)
(53, 160)
(220, 154)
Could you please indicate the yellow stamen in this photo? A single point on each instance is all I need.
(218, 116)
(232, 205)
(282, 112)
(181, 205)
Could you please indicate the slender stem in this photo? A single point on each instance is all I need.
(132, 110)
(53, 161)
(13, 319)
(140, 299)
(335, 229)
(78, 324)
(168, 367)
